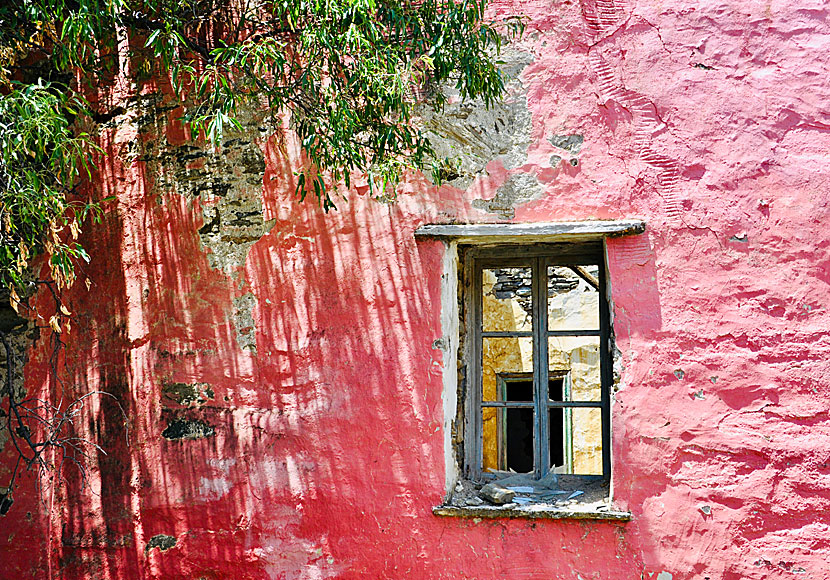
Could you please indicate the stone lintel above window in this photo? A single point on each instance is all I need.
(524, 233)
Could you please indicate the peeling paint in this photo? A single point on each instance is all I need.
(162, 542)
(518, 189)
(187, 429)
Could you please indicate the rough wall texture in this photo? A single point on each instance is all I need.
(278, 368)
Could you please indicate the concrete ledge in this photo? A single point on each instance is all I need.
(533, 232)
(531, 511)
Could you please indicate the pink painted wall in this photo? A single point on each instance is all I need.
(708, 119)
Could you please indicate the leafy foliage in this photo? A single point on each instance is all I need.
(40, 159)
(347, 71)
(344, 74)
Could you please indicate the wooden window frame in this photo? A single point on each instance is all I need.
(539, 257)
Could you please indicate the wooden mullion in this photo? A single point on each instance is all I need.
(477, 370)
(507, 334)
(575, 404)
(540, 367)
(606, 372)
(574, 332)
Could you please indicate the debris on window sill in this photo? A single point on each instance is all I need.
(522, 497)
(535, 511)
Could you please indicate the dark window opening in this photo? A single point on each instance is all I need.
(517, 434)
(519, 427)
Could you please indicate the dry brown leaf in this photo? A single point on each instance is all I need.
(54, 323)
(14, 299)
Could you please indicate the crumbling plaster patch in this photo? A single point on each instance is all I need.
(519, 188)
(243, 321)
(187, 394)
(469, 136)
(180, 429)
(161, 541)
(20, 334)
(225, 181)
(570, 143)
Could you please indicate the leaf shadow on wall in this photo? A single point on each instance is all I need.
(277, 458)
(329, 428)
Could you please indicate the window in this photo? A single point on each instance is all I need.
(527, 367)
(538, 369)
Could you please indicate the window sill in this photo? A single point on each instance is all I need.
(534, 511)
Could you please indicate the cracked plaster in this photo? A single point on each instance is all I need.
(470, 136)
(343, 436)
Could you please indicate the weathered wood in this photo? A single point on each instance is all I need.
(533, 232)
(585, 275)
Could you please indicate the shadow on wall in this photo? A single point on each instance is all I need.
(257, 459)
(284, 410)
(287, 455)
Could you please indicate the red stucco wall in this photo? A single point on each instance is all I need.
(707, 119)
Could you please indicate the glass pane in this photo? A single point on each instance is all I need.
(506, 299)
(576, 441)
(573, 366)
(506, 361)
(508, 439)
(573, 302)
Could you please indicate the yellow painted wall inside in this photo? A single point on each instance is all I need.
(577, 355)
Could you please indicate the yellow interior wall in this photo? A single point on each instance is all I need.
(579, 355)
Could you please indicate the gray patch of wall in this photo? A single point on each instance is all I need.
(518, 189)
(227, 181)
(471, 136)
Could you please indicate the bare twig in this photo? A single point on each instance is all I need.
(42, 432)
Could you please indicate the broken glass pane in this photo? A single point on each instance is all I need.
(573, 298)
(507, 304)
(576, 360)
(508, 439)
(576, 441)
